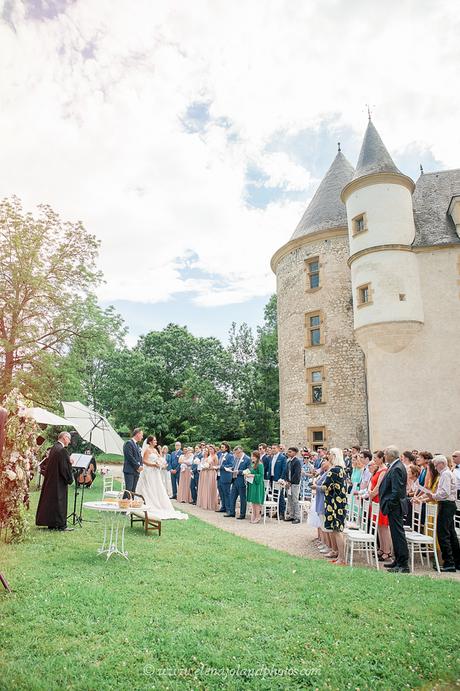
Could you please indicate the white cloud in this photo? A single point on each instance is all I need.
(93, 101)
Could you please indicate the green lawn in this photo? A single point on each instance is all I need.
(198, 605)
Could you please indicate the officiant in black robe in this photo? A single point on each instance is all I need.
(52, 505)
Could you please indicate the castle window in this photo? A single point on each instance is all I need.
(313, 273)
(315, 385)
(359, 224)
(316, 437)
(364, 295)
(314, 328)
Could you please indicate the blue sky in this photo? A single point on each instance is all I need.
(189, 137)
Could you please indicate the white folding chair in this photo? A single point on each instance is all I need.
(424, 540)
(354, 506)
(108, 490)
(365, 538)
(272, 499)
(304, 508)
(457, 519)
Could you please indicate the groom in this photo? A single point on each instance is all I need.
(133, 461)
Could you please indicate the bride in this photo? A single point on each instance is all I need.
(151, 485)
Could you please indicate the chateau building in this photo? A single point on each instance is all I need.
(369, 309)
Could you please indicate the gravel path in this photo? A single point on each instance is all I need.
(294, 539)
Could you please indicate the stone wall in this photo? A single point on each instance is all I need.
(414, 392)
(344, 414)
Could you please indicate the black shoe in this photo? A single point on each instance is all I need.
(241, 518)
(295, 520)
(288, 519)
(399, 569)
(391, 565)
(65, 530)
(448, 569)
(220, 511)
(174, 497)
(193, 503)
(229, 515)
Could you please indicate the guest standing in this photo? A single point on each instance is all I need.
(383, 525)
(445, 495)
(335, 503)
(224, 477)
(132, 465)
(292, 476)
(184, 493)
(52, 505)
(256, 490)
(241, 463)
(207, 497)
(392, 492)
(276, 472)
(174, 465)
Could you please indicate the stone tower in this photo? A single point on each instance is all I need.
(322, 373)
(405, 268)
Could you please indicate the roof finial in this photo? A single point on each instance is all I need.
(338, 147)
(421, 169)
(369, 112)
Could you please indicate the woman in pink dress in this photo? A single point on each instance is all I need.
(184, 493)
(207, 486)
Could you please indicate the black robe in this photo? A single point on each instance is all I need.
(52, 505)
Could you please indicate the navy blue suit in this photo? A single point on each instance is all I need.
(239, 486)
(131, 465)
(194, 480)
(278, 474)
(174, 464)
(267, 460)
(224, 481)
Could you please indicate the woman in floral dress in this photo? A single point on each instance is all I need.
(335, 504)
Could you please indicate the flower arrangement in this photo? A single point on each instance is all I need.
(104, 470)
(246, 471)
(18, 461)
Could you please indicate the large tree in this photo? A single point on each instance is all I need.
(47, 269)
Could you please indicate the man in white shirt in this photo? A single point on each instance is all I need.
(445, 495)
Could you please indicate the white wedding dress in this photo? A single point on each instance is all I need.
(152, 488)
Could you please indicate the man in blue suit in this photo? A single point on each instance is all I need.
(132, 465)
(174, 468)
(224, 477)
(277, 469)
(241, 463)
(195, 468)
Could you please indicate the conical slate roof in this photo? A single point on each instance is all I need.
(374, 157)
(326, 209)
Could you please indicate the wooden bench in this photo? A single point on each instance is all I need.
(150, 522)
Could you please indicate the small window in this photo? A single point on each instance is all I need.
(359, 224)
(314, 327)
(402, 297)
(316, 437)
(364, 295)
(313, 273)
(315, 385)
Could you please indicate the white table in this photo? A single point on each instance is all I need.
(114, 526)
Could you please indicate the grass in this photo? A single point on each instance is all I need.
(193, 607)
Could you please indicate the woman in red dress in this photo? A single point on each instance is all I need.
(383, 526)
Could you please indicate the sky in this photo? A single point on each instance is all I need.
(189, 136)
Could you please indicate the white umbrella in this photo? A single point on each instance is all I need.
(45, 417)
(93, 427)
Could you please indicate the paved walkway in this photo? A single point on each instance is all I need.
(294, 539)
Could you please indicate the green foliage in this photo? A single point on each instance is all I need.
(199, 598)
(47, 268)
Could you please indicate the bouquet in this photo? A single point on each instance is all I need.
(247, 472)
(204, 465)
(104, 470)
(183, 466)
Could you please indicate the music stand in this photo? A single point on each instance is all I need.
(80, 463)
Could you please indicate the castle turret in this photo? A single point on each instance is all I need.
(322, 382)
(387, 300)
